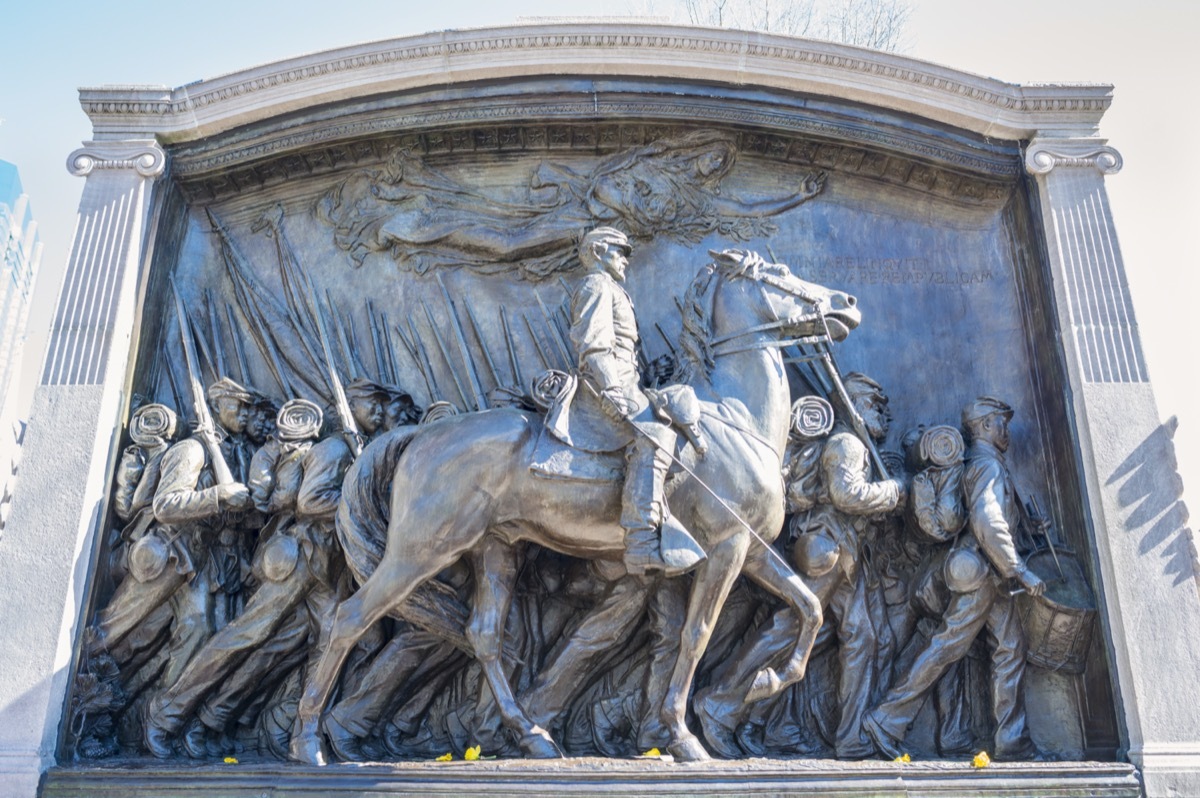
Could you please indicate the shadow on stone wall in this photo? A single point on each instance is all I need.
(1153, 491)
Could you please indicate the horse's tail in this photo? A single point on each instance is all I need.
(362, 529)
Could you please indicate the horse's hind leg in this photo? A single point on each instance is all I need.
(713, 580)
(495, 565)
(384, 590)
(773, 574)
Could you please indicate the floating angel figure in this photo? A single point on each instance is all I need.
(426, 220)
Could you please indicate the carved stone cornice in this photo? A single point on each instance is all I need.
(143, 156)
(1046, 154)
(979, 104)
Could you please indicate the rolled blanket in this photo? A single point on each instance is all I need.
(298, 420)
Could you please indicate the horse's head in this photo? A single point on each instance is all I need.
(793, 306)
(741, 302)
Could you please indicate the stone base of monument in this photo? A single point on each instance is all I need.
(586, 775)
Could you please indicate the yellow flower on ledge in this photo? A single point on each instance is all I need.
(902, 760)
(653, 752)
(981, 760)
(446, 757)
(472, 753)
(231, 760)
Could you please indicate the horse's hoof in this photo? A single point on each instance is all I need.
(538, 744)
(687, 748)
(766, 684)
(717, 732)
(306, 749)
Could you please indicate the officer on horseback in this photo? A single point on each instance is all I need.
(604, 336)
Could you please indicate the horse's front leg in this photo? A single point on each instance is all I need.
(495, 564)
(713, 580)
(769, 570)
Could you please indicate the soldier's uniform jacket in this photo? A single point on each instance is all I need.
(275, 474)
(848, 498)
(186, 504)
(324, 468)
(604, 335)
(992, 507)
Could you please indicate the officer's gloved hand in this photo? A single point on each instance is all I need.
(616, 404)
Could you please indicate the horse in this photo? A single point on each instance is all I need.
(462, 487)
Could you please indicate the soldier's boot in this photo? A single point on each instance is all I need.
(156, 735)
(195, 740)
(342, 741)
(654, 540)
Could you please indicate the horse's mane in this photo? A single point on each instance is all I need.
(696, 361)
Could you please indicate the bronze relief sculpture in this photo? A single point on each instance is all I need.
(481, 519)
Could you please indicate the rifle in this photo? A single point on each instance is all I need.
(487, 356)
(206, 429)
(340, 404)
(441, 345)
(513, 364)
(476, 387)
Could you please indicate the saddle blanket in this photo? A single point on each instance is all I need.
(553, 459)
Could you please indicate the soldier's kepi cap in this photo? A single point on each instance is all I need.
(858, 384)
(606, 235)
(226, 388)
(365, 389)
(983, 407)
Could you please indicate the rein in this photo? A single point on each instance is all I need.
(775, 324)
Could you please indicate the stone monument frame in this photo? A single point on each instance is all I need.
(156, 149)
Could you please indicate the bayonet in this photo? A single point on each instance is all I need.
(537, 344)
(206, 428)
(377, 343)
(238, 347)
(666, 340)
(340, 403)
(560, 342)
(389, 348)
(441, 345)
(487, 356)
(512, 352)
(416, 348)
(218, 347)
(461, 339)
(343, 339)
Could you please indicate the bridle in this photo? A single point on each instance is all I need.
(724, 345)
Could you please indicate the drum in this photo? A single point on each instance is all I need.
(1058, 624)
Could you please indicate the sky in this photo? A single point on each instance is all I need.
(1147, 50)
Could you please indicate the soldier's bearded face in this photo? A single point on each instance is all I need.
(614, 262)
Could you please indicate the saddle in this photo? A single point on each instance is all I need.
(579, 441)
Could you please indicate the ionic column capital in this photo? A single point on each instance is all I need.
(1045, 154)
(143, 156)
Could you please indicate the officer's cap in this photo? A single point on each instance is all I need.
(226, 388)
(983, 407)
(365, 389)
(607, 235)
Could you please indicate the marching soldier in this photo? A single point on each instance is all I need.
(168, 564)
(828, 553)
(299, 566)
(977, 572)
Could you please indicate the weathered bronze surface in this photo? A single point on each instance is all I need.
(529, 398)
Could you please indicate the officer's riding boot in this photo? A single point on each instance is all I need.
(643, 510)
